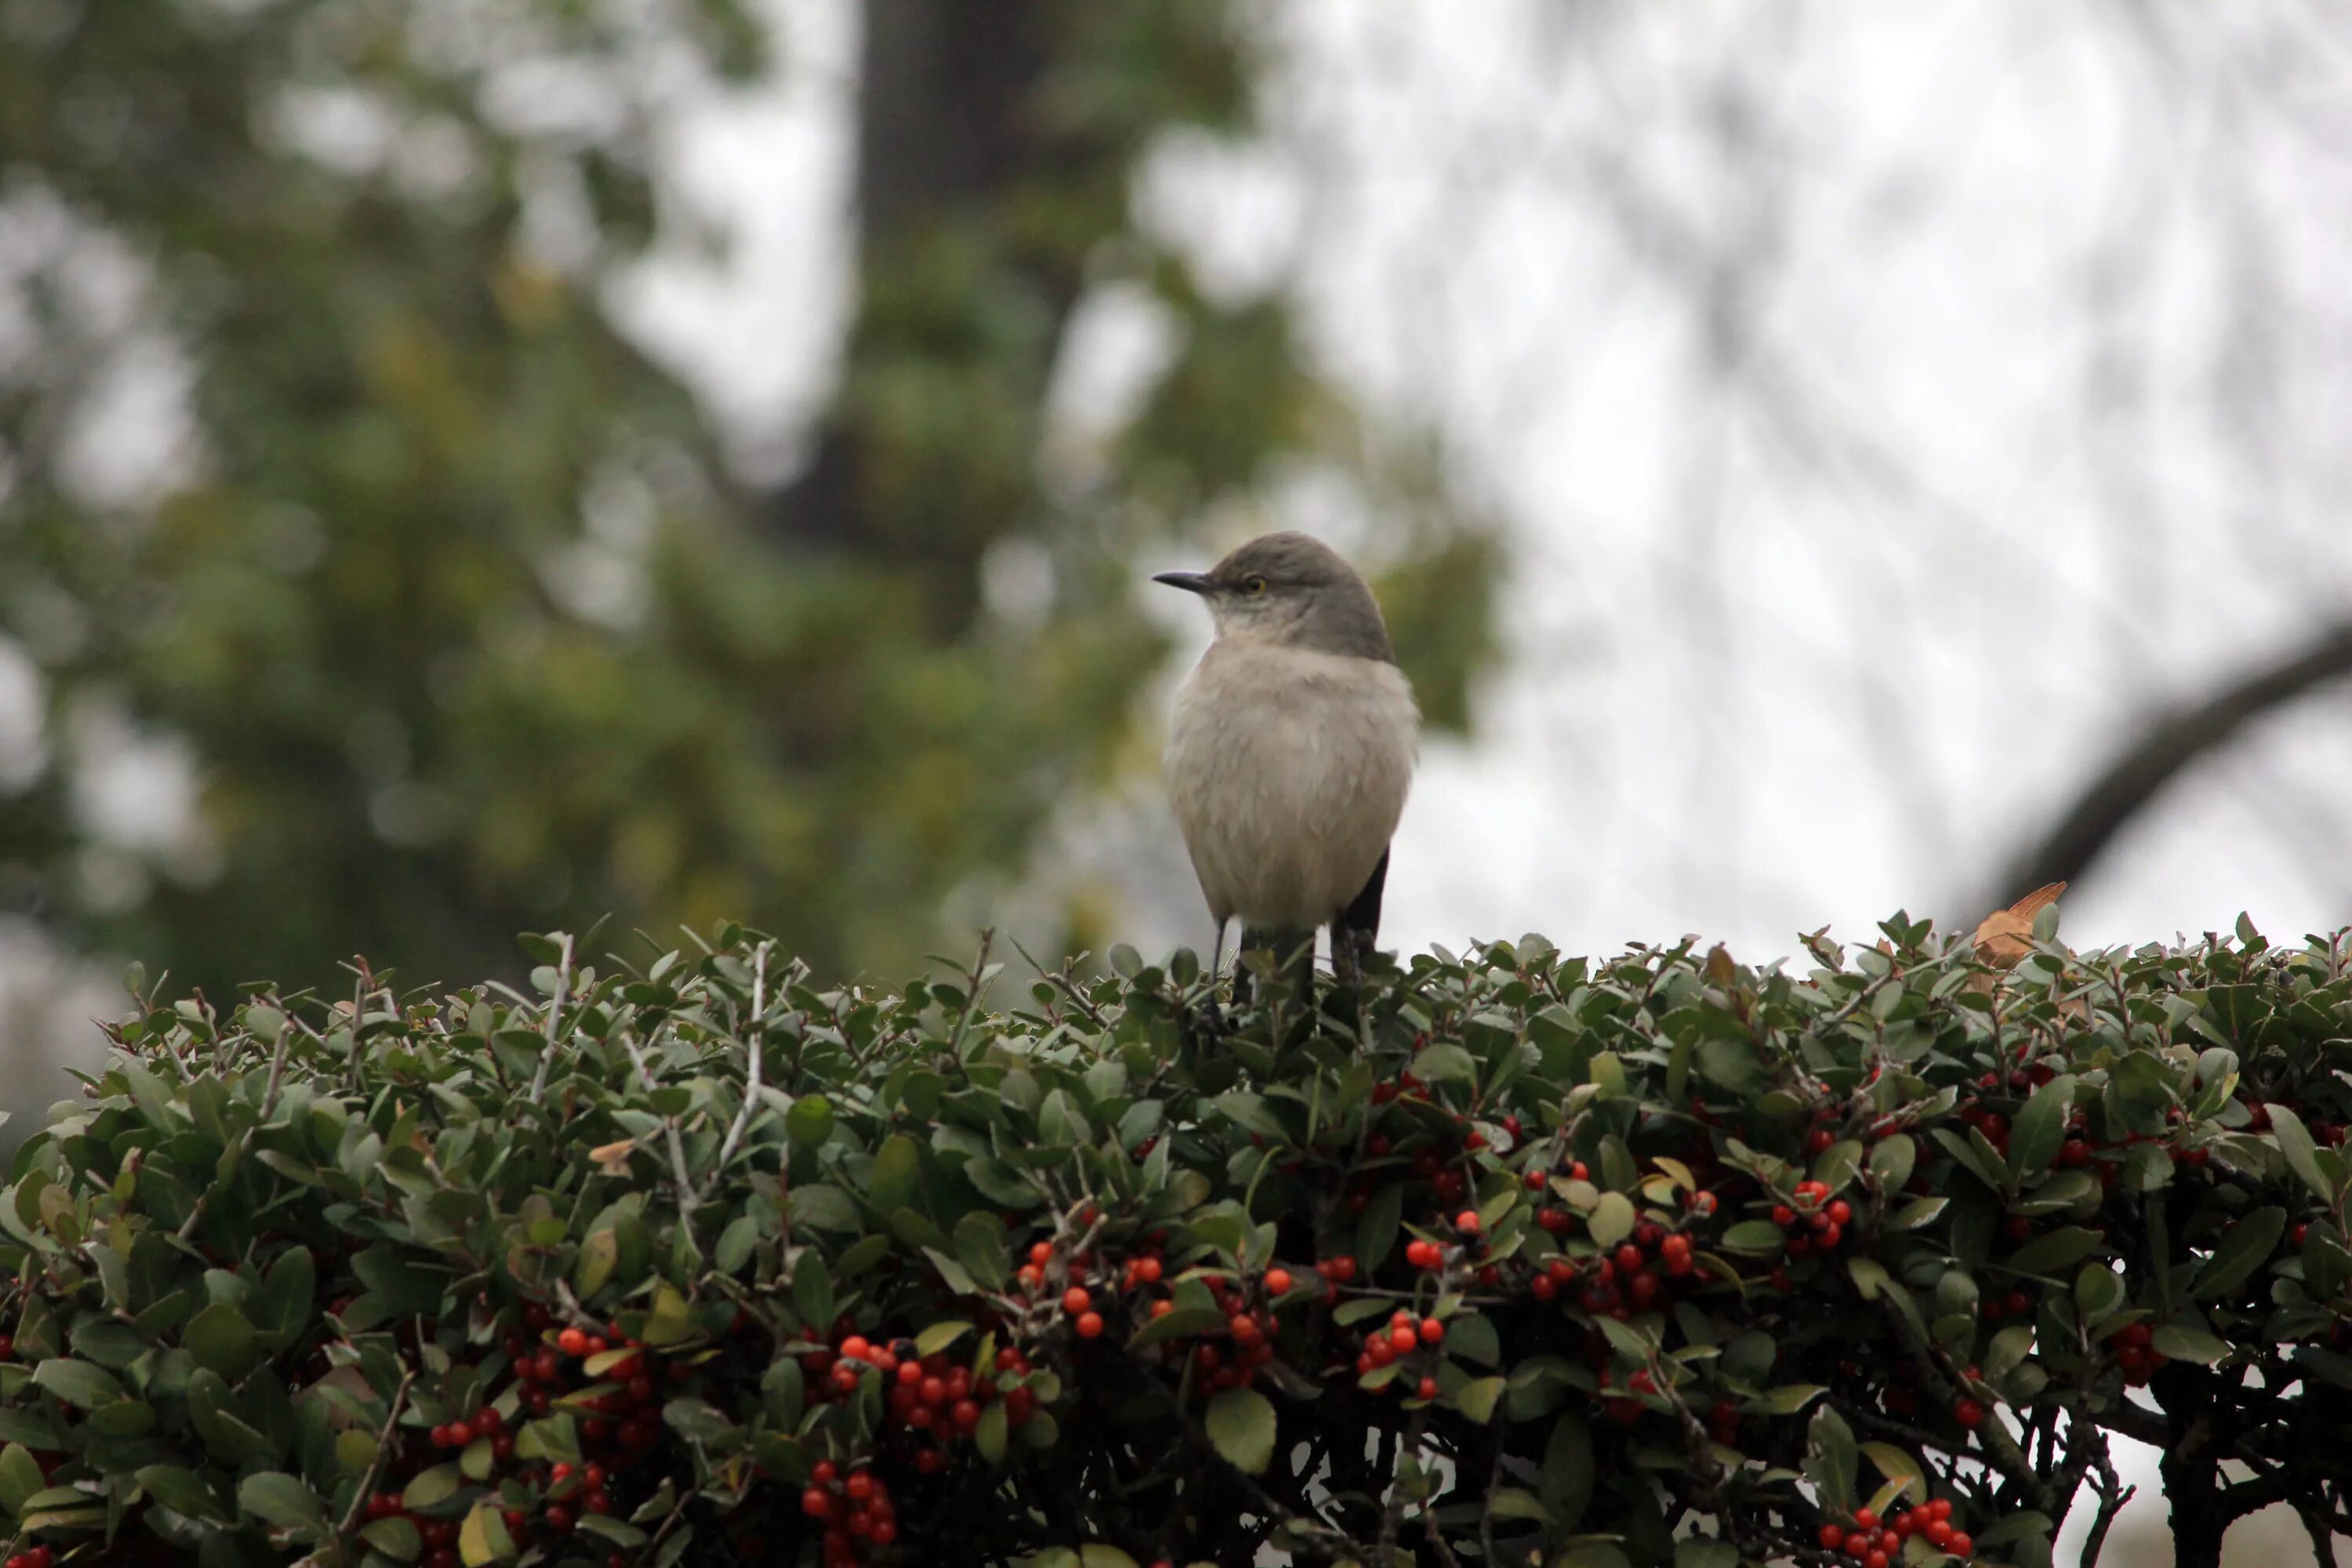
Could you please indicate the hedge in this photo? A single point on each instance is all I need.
(1509, 1257)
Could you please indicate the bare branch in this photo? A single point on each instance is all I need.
(2165, 749)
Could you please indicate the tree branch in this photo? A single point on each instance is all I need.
(2165, 749)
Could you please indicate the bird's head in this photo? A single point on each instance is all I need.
(1291, 590)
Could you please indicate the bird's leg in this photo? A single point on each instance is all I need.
(1347, 960)
(1213, 1019)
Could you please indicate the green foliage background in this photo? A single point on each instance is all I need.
(410, 407)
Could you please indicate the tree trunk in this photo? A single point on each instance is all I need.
(947, 127)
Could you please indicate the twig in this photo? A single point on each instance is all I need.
(1487, 1510)
(2113, 1494)
(756, 1044)
(375, 1466)
(555, 1013)
(972, 997)
(683, 1180)
(1393, 1513)
(268, 1107)
(1070, 989)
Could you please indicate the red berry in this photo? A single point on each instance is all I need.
(1076, 1300)
(1278, 1281)
(1968, 1413)
(1090, 1325)
(1832, 1537)
(1960, 1545)
(1467, 1222)
(572, 1342)
(1431, 1332)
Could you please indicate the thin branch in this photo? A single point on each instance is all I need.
(756, 1046)
(688, 1202)
(2113, 1494)
(555, 1013)
(971, 995)
(2165, 749)
(286, 1027)
(1392, 1512)
(375, 1466)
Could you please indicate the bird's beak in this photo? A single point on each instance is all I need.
(1191, 582)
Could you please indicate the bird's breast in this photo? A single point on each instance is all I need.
(1288, 771)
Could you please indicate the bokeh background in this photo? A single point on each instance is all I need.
(474, 466)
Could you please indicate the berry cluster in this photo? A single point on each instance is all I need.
(1874, 1544)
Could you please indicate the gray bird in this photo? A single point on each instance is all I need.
(1291, 751)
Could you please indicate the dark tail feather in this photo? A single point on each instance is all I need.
(1354, 930)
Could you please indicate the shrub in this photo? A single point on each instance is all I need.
(1507, 1258)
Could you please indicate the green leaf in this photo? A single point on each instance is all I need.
(953, 1273)
(898, 1167)
(2008, 1347)
(287, 1302)
(2294, 1143)
(938, 1336)
(430, 1487)
(822, 1206)
(223, 1341)
(2244, 1248)
(1476, 1398)
(1892, 1160)
(1445, 1063)
(1566, 1479)
(396, 1537)
(2055, 1250)
(736, 1243)
(1241, 1425)
(1470, 1338)
(989, 1436)
(2097, 1292)
(1612, 1219)
(2189, 1341)
(813, 1290)
(1831, 1458)
(598, 1257)
(20, 1477)
(1377, 1227)
(1785, 1400)
(284, 1500)
(1704, 1552)
(483, 1538)
(1753, 1238)
(1896, 1466)
(2039, 1128)
(78, 1383)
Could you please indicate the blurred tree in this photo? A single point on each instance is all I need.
(459, 621)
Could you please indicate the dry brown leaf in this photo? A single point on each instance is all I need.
(2005, 936)
(614, 1157)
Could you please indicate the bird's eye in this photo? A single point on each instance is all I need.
(1253, 586)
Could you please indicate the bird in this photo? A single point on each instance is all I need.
(1291, 752)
